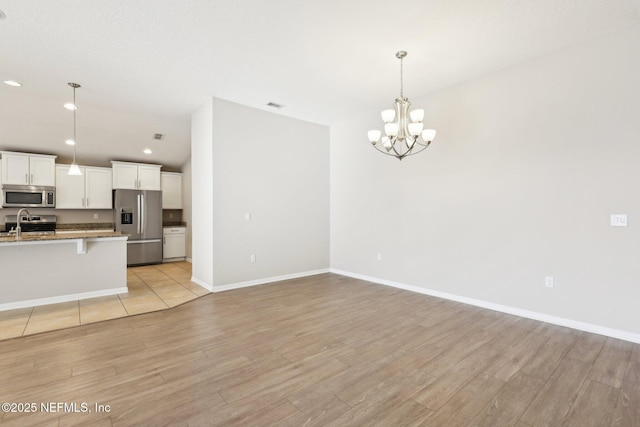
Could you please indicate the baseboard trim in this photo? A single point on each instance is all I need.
(201, 283)
(560, 321)
(62, 298)
(256, 282)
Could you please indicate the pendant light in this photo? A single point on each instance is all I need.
(74, 169)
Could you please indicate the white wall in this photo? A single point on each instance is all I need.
(519, 184)
(269, 166)
(186, 205)
(68, 276)
(202, 188)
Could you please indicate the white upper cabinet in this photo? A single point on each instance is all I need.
(149, 177)
(28, 169)
(97, 188)
(125, 175)
(15, 168)
(70, 188)
(42, 170)
(136, 176)
(171, 190)
(91, 190)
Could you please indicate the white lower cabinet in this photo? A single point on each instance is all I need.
(173, 243)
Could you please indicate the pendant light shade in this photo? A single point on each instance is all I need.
(74, 170)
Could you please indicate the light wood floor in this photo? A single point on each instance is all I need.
(328, 351)
(151, 288)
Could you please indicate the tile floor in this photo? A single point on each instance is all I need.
(151, 288)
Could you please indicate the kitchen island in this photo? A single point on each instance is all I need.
(38, 270)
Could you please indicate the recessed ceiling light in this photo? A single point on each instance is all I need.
(70, 106)
(12, 82)
(70, 142)
(147, 151)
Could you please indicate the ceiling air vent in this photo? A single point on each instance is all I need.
(275, 105)
(158, 136)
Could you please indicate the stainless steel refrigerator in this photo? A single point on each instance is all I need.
(139, 214)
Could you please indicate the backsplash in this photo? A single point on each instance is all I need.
(85, 218)
(66, 216)
(172, 216)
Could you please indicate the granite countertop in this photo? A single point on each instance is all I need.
(85, 226)
(66, 236)
(174, 224)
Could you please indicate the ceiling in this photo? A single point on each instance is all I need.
(146, 65)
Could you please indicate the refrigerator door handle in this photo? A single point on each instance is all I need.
(138, 214)
(142, 214)
(142, 242)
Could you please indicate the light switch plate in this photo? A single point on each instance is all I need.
(619, 220)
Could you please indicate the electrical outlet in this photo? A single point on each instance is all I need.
(619, 220)
(548, 281)
(247, 216)
(96, 216)
(252, 258)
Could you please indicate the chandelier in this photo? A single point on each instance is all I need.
(402, 128)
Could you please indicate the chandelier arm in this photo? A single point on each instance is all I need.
(393, 147)
(411, 153)
(425, 145)
(388, 153)
(395, 153)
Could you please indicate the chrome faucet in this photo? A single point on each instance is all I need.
(18, 228)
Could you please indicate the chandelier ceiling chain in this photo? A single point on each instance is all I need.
(400, 55)
(403, 128)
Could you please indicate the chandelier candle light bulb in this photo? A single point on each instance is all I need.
(402, 135)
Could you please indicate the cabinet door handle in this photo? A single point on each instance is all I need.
(87, 202)
(31, 178)
(26, 178)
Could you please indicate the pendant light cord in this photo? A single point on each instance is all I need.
(75, 108)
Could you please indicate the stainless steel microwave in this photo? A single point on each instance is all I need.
(28, 196)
